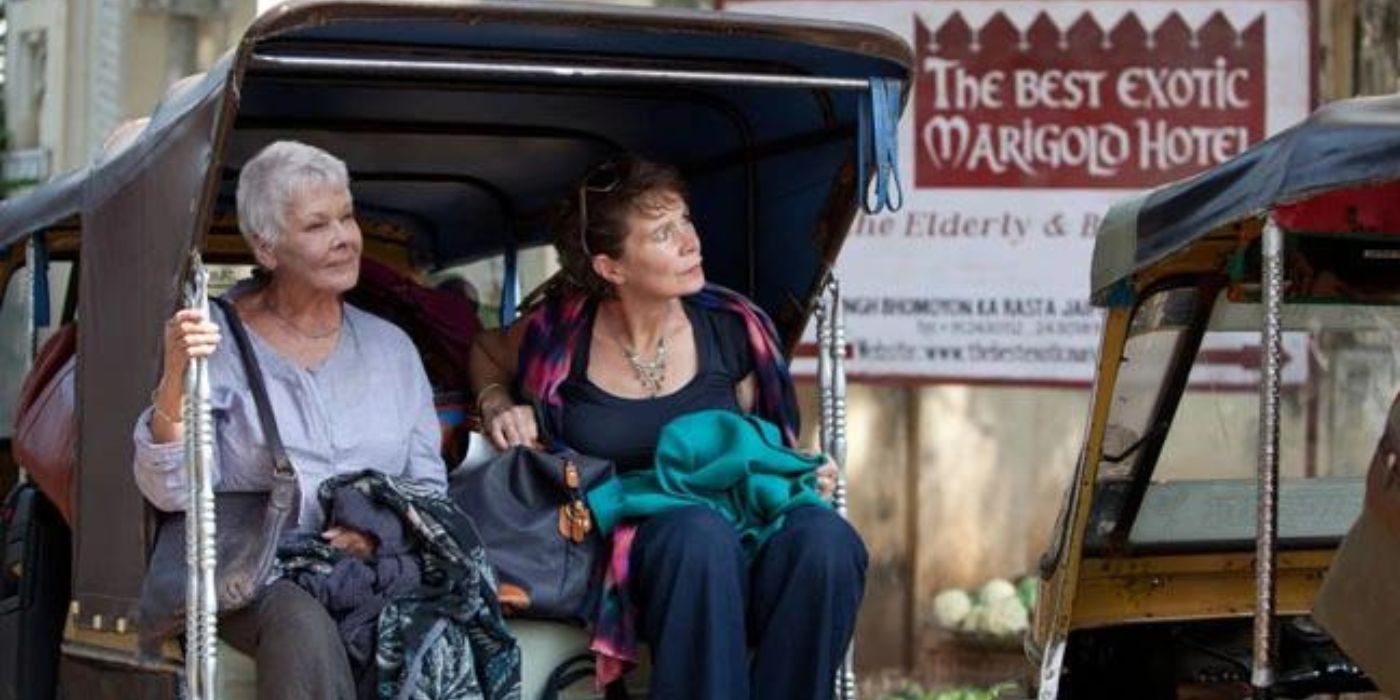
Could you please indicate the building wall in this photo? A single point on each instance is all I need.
(950, 485)
(164, 45)
(1378, 45)
(37, 53)
(77, 68)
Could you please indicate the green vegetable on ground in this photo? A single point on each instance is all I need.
(1028, 590)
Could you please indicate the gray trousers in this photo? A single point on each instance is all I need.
(295, 643)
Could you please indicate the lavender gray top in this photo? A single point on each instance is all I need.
(369, 405)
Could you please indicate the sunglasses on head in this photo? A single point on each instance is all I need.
(602, 179)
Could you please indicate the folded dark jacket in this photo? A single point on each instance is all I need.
(420, 618)
(352, 590)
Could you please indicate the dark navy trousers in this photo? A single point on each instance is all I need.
(720, 629)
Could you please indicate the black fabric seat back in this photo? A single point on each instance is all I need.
(34, 587)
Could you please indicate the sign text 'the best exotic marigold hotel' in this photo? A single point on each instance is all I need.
(1089, 106)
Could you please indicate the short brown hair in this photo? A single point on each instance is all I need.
(608, 193)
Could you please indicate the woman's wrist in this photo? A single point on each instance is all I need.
(166, 402)
(167, 426)
(490, 398)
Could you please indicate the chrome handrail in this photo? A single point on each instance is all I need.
(201, 597)
(831, 387)
(443, 68)
(1266, 513)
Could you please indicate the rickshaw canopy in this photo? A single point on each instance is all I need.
(460, 123)
(1349, 148)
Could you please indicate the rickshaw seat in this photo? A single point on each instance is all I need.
(457, 423)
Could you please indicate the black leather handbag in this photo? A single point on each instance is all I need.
(245, 555)
(528, 507)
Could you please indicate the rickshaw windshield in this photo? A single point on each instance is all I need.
(1158, 329)
(1197, 444)
(1340, 373)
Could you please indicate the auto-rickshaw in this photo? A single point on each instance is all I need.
(1246, 367)
(461, 123)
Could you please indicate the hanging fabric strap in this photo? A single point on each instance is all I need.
(877, 149)
(510, 287)
(40, 275)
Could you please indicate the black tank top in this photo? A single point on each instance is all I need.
(626, 430)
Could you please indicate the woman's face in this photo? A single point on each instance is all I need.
(661, 252)
(321, 245)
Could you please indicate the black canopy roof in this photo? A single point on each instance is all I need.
(1341, 145)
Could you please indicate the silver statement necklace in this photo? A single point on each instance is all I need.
(651, 374)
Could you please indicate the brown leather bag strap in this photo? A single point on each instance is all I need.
(281, 464)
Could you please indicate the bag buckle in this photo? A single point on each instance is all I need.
(575, 520)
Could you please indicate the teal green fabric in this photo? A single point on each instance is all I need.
(731, 462)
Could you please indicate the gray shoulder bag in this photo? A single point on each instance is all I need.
(245, 554)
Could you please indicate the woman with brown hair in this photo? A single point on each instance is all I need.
(629, 337)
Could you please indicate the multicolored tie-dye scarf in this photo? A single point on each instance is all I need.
(554, 330)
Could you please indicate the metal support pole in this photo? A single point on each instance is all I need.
(824, 389)
(201, 597)
(30, 283)
(26, 302)
(411, 68)
(831, 378)
(1266, 549)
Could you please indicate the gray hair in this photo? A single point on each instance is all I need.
(272, 177)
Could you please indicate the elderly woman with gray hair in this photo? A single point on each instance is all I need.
(348, 389)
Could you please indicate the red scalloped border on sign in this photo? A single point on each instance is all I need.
(1084, 106)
